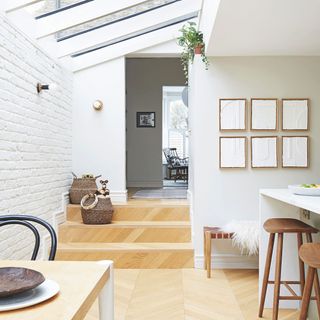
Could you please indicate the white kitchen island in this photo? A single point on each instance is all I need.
(281, 203)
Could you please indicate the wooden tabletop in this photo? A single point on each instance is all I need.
(80, 284)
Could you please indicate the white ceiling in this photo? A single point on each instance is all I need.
(266, 28)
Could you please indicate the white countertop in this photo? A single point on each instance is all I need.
(310, 203)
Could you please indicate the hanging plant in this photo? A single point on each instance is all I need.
(192, 43)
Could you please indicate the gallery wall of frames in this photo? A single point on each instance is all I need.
(278, 133)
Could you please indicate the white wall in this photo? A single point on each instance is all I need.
(35, 136)
(99, 136)
(144, 81)
(222, 195)
(208, 17)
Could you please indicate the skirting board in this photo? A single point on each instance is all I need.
(189, 196)
(116, 196)
(65, 201)
(45, 247)
(228, 261)
(119, 196)
(145, 184)
(59, 218)
(190, 199)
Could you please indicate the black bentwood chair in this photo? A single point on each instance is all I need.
(26, 222)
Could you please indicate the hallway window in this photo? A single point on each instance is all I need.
(175, 121)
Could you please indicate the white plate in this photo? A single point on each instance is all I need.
(297, 189)
(45, 291)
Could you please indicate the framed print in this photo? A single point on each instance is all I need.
(295, 114)
(146, 119)
(232, 114)
(264, 114)
(232, 153)
(264, 152)
(295, 152)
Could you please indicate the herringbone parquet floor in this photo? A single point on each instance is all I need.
(186, 294)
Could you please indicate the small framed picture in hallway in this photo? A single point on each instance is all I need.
(146, 119)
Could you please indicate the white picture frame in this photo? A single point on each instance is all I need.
(264, 152)
(295, 114)
(264, 114)
(295, 152)
(233, 114)
(232, 152)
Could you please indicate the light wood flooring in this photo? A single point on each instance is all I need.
(132, 191)
(187, 294)
(142, 235)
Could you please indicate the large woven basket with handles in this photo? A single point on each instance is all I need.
(97, 208)
(82, 186)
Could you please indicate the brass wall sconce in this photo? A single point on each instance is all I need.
(97, 105)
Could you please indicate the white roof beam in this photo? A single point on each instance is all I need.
(23, 21)
(12, 5)
(126, 47)
(208, 19)
(120, 29)
(81, 14)
(167, 49)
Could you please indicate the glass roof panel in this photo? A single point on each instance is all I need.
(132, 35)
(34, 9)
(112, 18)
(47, 6)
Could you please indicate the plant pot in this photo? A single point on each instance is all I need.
(198, 49)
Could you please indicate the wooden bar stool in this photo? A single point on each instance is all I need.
(310, 254)
(281, 226)
(210, 233)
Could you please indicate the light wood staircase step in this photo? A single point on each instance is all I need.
(131, 255)
(126, 231)
(136, 212)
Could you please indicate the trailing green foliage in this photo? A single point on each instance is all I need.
(190, 39)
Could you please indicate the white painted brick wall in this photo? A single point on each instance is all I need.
(35, 136)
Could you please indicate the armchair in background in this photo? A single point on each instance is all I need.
(177, 168)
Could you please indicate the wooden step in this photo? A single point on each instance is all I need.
(140, 212)
(131, 255)
(126, 231)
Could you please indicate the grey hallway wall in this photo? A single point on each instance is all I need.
(145, 78)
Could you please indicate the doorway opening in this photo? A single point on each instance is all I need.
(155, 119)
(175, 139)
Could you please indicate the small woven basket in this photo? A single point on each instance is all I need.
(80, 187)
(101, 214)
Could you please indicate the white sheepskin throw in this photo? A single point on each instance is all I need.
(246, 236)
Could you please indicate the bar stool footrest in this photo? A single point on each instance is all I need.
(294, 298)
(286, 282)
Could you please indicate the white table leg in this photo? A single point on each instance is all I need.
(106, 296)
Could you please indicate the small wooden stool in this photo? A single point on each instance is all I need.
(208, 234)
(310, 254)
(280, 226)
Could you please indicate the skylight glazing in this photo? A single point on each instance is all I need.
(137, 34)
(47, 6)
(114, 17)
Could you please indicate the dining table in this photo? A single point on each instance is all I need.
(80, 282)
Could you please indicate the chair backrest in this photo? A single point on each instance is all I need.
(170, 154)
(166, 152)
(25, 221)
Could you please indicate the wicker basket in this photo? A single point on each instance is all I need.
(101, 214)
(80, 187)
